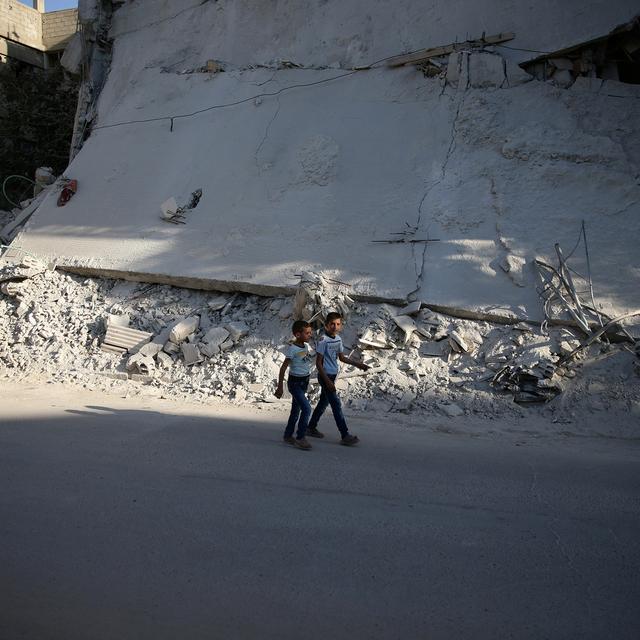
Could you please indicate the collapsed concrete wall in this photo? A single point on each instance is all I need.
(443, 188)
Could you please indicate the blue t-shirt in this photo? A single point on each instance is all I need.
(301, 359)
(329, 348)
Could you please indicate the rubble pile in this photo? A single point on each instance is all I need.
(207, 346)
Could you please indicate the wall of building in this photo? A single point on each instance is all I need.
(57, 28)
(20, 23)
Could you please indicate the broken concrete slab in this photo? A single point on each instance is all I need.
(237, 330)
(191, 354)
(212, 340)
(164, 360)
(407, 325)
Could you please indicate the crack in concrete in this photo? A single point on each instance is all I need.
(443, 170)
(266, 135)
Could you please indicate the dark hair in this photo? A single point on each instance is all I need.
(334, 315)
(298, 326)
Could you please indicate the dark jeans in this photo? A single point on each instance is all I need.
(300, 406)
(326, 398)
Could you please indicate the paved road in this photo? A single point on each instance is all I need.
(118, 523)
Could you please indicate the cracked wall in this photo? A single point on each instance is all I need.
(304, 162)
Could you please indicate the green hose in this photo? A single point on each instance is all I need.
(9, 200)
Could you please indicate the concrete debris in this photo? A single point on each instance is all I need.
(139, 363)
(237, 330)
(407, 325)
(11, 288)
(191, 353)
(459, 344)
(411, 309)
(213, 339)
(229, 350)
(317, 295)
(164, 360)
(183, 329)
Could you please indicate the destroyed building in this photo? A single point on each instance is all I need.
(233, 146)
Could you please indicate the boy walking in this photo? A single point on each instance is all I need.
(298, 356)
(329, 351)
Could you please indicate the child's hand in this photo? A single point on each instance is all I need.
(278, 392)
(331, 388)
(363, 366)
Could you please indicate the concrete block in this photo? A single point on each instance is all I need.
(164, 360)
(183, 329)
(141, 377)
(191, 354)
(171, 347)
(150, 349)
(237, 330)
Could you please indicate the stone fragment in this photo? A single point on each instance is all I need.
(406, 324)
(140, 364)
(411, 309)
(458, 343)
(451, 410)
(164, 360)
(226, 345)
(21, 309)
(171, 347)
(237, 330)
(212, 340)
(141, 377)
(433, 349)
(115, 320)
(150, 349)
(183, 329)
(217, 303)
(191, 354)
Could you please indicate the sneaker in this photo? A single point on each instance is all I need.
(289, 440)
(302, 444)
(314, 433)
(349, 441)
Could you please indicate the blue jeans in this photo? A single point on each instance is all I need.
(329, 398)
(300, 406)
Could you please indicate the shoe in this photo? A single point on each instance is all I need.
(289, 440)
(302, 444)
(314, 433)
(349, 441)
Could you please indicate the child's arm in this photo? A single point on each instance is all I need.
(322, 374)
(280, 388)
(355, 363)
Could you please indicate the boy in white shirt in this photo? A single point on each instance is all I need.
(329, 351)
(298, 356)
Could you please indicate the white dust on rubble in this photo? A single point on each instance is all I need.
(209, 347)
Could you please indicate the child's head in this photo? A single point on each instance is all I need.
(333, 323)
(301, 329)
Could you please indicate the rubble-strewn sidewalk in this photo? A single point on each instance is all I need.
(177, 343)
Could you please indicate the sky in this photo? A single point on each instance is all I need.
(54, 5)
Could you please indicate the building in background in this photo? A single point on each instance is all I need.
(30, 35)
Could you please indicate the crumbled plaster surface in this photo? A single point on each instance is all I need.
(496, 168)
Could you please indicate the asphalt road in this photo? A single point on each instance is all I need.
(118, 523)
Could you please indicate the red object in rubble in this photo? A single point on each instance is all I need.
(67, 192)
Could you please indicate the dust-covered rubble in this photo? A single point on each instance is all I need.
(228, 348)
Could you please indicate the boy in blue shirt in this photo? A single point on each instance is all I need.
(298, 356)
(329, 351)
